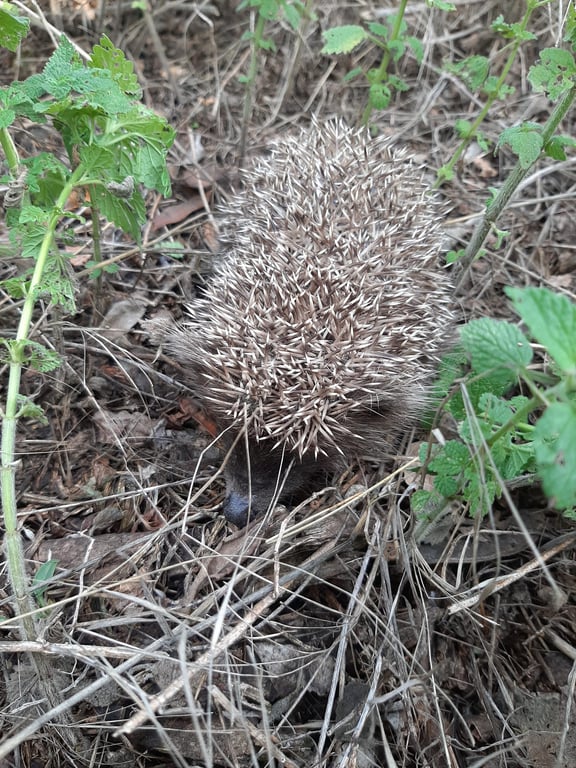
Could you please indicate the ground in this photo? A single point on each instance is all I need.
(333, 636)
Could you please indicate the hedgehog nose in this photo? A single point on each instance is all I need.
(236, 509)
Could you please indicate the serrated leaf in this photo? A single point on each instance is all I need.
(473, 70)
(496, 344)
(41, 359)
(555, 147)
(379, 30)
(27, 409)
(292, 14)
(446, 485)
(396, 48)
(379, 95)
(525, 141)
(7, 117)
(551, 319)
(555, 450)
(107, 56)
(268, 9)
(554, 74)
(451, 459)
(497, 410)
(442, 5)
(463, 128)
(343, 39)
(352, 74)
(417, 48)
(266, 44)
(129, 215)
(13, 29)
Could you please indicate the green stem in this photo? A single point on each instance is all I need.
(519, 172)
(14, 548)
(382, 72)
(447, 170)
(10, 151)
(250, 81)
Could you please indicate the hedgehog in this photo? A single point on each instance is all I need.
(317, 339)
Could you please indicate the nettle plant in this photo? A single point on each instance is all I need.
(503, 439)
(297, 13)
(115, 146)
(393, 39)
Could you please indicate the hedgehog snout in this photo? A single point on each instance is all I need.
(237, 509)
(267, 477)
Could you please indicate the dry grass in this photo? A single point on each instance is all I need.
(332, 634)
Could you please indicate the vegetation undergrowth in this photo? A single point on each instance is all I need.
(497, 441)
(297, 14)
(114, 145)
(511, 398)
(504, 439)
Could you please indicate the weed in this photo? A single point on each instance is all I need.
(504, 439)
(114, 146)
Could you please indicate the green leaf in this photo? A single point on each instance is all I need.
(496, 344)
(554, 74)
(343, 39)
(7, 117)
(379, 30)
(292, 14)
(396, 48)
(129, 215)
(45, 572)
(107, 56)
(511, 31)
(455, 255)
(525, 141)
(463, 128)
(442, 5)
(451, 459)
(379, 95)
(555, 147)
(13, 29)
(268, 9)
(266, 44)
(352, 74)
(570, 26)
(555, 449)
(417, 48)
(42, 359)
(27, 409)
(473, 70)
(551, 319)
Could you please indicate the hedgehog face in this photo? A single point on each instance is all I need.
(258, 477)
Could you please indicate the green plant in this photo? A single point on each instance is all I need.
(555, 75)
(114, 145)
(393, 39)
(502, 439)
(295, 12)
(476, 72)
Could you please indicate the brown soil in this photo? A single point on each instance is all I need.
(326, 635)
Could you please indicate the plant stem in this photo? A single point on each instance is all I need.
(14, 548)
(250, 81)
(10, 151)
(499, 203)
(382, 73)
(449, 167)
